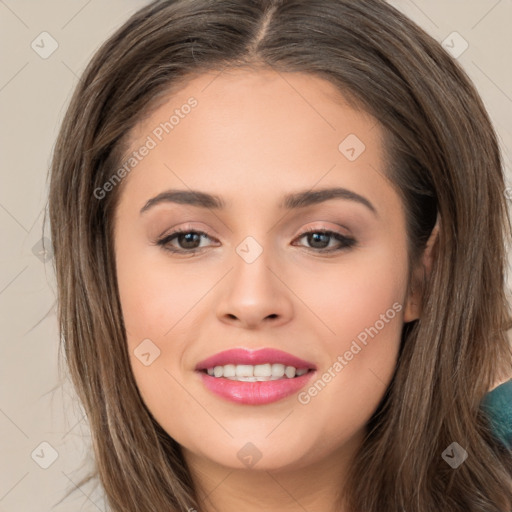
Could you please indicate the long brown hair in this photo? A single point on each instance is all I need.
(443, 158)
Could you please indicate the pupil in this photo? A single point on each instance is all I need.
(189, 242)
(317, 236)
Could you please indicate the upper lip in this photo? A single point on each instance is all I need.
(253, 357)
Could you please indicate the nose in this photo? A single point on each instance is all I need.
(255, 295)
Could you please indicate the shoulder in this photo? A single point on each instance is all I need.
(497, 405)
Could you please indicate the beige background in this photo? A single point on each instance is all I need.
(35, 404)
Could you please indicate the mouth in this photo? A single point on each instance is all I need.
(254, 377)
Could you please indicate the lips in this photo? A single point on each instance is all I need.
(253, 357)
(255, 393)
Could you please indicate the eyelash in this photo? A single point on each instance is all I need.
(346, 242)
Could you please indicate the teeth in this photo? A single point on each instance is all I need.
(256, 373)
(262, 370)
(229, 370)
(242, 370)
(278, 370)
(289, 371)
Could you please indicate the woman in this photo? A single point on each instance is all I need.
(279, 232)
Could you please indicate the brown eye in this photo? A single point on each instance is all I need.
(319, 239)
(188, 241)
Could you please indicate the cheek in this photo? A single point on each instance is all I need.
(168, 303)
(363, 309)
(157, 301)
(350, 296)
(156, 295)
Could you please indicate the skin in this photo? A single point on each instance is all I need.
(254, 137)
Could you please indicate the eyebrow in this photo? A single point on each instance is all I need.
(292, 201)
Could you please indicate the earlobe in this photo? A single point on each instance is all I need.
(413, 306)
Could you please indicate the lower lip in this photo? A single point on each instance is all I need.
(255, 393)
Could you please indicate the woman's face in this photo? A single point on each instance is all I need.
(265, 145)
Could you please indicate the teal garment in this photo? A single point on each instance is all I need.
(497, 404)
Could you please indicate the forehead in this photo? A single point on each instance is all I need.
(253, 107)
(242, 131)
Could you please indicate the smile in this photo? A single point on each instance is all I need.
(254, 377)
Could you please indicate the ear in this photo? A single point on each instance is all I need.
(413, 303)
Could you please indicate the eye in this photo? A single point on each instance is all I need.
(319, 240)
(187, 240)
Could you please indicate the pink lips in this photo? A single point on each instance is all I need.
(254, 393)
